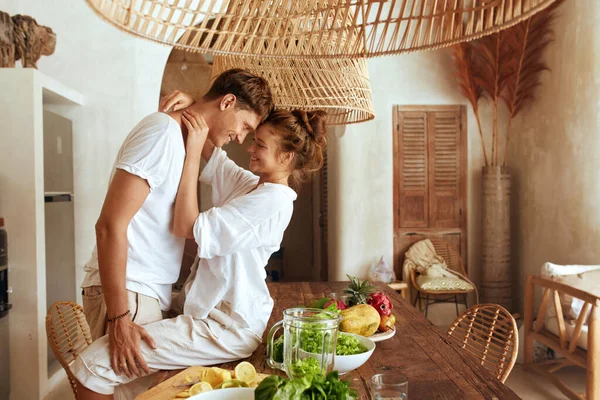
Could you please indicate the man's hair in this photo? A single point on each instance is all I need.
(251, 91)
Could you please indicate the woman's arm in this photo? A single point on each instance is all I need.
(207, 150)
(177, 100)
(186, 203)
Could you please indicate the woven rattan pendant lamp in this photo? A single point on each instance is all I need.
(350, 28)
(339, 86)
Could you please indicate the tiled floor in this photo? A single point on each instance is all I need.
(528, 385)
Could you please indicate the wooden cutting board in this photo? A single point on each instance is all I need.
(166, 390)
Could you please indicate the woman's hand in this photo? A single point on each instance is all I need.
(197, 132)
(177, 100)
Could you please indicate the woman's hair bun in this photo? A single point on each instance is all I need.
(315, 124)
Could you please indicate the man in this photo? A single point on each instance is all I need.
(137, 257)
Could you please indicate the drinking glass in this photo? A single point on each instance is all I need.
(389, 386)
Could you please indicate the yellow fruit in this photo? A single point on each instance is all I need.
(183, 395)
(232, 383)
(200, 388)
(215, 376)
(387, 323)
(188, 379)
(361, 319)
(245, 371)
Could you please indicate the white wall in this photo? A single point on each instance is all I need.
(360, 163)
(120, 77)
(555, 152)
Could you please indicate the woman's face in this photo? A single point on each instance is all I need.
(265, 157)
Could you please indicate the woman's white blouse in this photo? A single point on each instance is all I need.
(235, 240)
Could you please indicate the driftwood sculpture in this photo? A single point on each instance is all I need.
(21, 38)
(7, 41)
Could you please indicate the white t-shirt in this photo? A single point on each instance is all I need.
(154, 151)
(235, 240)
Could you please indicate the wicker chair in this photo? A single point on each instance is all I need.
(454, 262)
(68, 334)
(489, 333)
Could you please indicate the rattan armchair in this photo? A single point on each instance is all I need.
(68, 335)
(454, 262)
(489, 333)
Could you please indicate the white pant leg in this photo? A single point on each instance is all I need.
(181, 342)
(144, 310)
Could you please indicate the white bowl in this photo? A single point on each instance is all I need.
(344, 364)
(226, 394)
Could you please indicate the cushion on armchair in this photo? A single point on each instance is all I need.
(440, 284)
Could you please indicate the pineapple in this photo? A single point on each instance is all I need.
(358, 291)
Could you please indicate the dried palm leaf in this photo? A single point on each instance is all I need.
(465, 63)
(494, 66)
(532, 36)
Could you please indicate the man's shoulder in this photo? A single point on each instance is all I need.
(154, 127)
(156, 121)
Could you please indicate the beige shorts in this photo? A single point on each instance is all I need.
(181, 342)
(144, 309)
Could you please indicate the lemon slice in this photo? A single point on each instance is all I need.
(182, 395)
(200, 388)
(232, 383)
(215, 376)
(245, 372)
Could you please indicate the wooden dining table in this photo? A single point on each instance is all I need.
(435, 368)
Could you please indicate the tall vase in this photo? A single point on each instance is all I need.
(495, 252)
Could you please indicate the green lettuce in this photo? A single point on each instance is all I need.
(348, 345)
(307, 387)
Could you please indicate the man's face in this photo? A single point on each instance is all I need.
(232, 124)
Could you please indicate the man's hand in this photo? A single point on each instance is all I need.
(124, 341)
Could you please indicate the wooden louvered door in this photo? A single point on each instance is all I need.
(413, 181)
(430, 161)
(445, 169)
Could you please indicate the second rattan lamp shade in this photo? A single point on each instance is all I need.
(313, 28)
(339, 86)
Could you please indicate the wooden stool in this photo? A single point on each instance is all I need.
(399, 286)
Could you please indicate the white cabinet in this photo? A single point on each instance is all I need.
(24, 96)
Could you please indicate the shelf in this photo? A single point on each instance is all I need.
(53, 92)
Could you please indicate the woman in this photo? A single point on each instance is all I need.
(253, 209)
(226, 302)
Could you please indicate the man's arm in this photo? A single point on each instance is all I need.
(125, 197)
